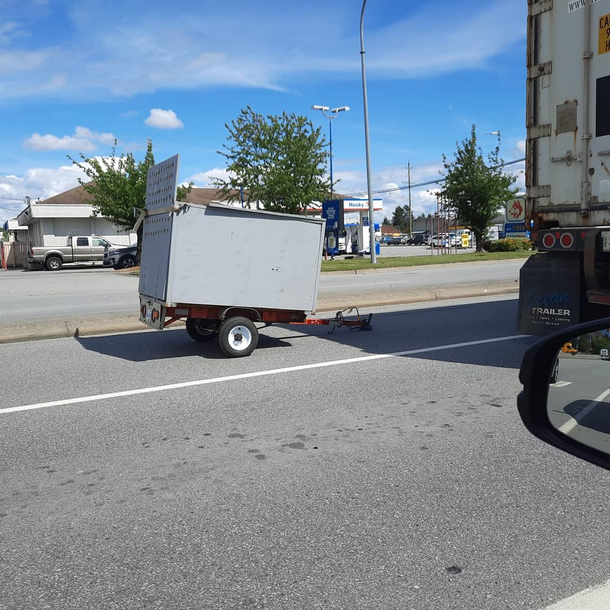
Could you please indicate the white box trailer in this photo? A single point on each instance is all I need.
(226, 269)
(567, 165)
(233, 257)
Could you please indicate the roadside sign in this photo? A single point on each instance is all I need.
(604, 34)
(332, 212)
(465, 240)
(515, 210)
(515, 229)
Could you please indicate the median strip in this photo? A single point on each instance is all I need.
(390, 262)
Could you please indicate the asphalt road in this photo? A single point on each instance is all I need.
(384, 470)
(579, 404)
(90, 291)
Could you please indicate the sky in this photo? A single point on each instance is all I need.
(75, 76)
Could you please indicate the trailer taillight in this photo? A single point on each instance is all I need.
(549, 241)
(567, 240)
(557, 240)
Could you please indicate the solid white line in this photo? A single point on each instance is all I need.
(573, 421)
(561, 384)
(594, 598)
(290, 369)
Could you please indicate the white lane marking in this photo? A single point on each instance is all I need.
(561, 384)
(574, 421)
(290, 369)
(594, 598)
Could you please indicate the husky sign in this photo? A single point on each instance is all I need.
(515, 210)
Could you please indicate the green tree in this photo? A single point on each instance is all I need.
(117, 185)
(400, 218)
(386, 221)
(476, 190)
(279, 161)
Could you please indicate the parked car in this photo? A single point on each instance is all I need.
(603, 354)
(78, 249)
(417, 239)
(397, 240)
(121, 258)
(445, 240)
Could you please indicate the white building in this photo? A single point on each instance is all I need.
(15, 232)
(51, 221)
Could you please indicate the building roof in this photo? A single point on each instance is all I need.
(389, 230)
(203, 196)
(79, 195)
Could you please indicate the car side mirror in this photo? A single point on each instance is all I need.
(566, 395)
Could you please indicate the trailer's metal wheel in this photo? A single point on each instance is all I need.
(201, 330)
(238, 337)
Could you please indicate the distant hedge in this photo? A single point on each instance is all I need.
(510, 244)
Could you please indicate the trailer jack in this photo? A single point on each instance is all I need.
(362, 323)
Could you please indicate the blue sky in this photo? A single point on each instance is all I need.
(76, 75)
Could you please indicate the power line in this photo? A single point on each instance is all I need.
(430, 182)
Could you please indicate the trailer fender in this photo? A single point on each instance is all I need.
(246, 312)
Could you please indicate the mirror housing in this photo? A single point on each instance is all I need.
(537, 369)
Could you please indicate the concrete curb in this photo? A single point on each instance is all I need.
(126, 322)
(419, 296)
(420, 267)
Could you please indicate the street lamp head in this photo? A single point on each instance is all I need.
(496, 133)
(340, 109)
(322, 108)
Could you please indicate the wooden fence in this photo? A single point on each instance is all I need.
(14, 254)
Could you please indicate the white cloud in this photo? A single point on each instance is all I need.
(186, 51)
(36, 183)
(393, 179)
(163, 119)
(83, 140)
(204, 179)
(16, 61)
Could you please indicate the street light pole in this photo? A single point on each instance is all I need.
(330, 136)
(410, 208)
(334, 113)
(367, 143)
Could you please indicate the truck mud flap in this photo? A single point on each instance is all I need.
(549, 293)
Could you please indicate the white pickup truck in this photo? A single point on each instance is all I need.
(78, 249)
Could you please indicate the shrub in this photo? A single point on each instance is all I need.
(511, 244)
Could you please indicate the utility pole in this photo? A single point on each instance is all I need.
(410, 208)
(366, 142)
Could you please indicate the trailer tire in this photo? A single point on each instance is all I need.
(53, 263)
(201, 330)
(238, 337)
